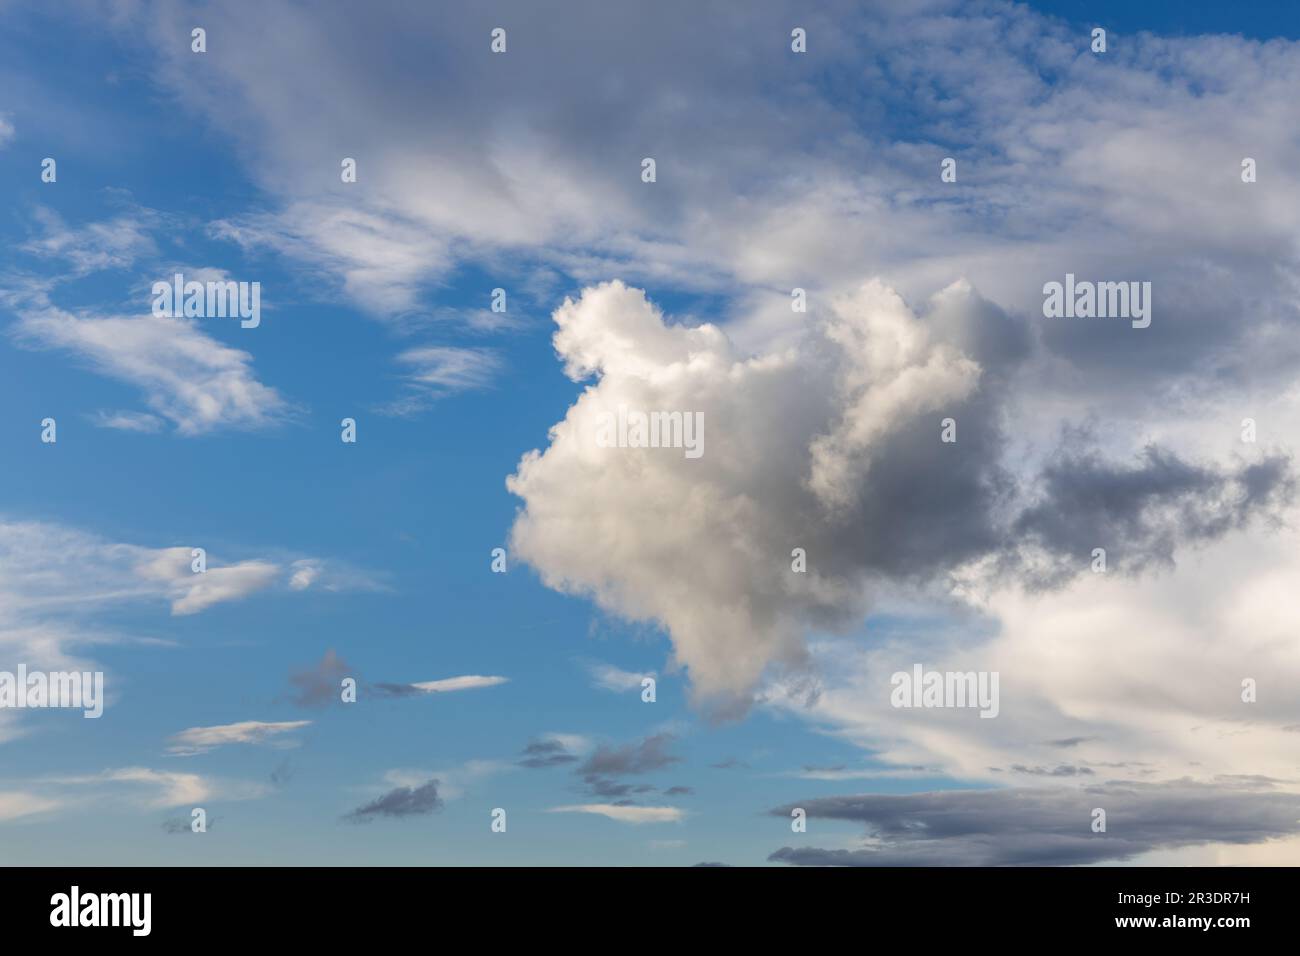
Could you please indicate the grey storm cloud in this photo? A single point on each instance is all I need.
(321, 684)
(608, 789)
(400, 802)
(1141, 512)
(600, 771)
(613, 789)
(1048, 827)
(642, 756)
(546, 753)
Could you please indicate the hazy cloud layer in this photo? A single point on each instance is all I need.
(789, 182)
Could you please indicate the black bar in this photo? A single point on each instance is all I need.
(611, 908)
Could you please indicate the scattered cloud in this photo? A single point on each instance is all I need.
(321, 684)
(56, 583)
(544, 753)
(615, 679)
(642, 756)
(400, 802)
(195, 592)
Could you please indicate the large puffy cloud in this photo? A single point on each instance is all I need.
(646, 532)
(832, 445)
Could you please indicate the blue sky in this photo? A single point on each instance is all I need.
(1259, 20)
(820, 174)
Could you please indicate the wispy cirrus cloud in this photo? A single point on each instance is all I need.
(115, 243)
(155, 789)
(381, 257)
(128, 421)
(193, 592)
(432, 372)
(19, 804)
(48, 570)
(186, 376)
(447, 685)
(199, 740)
(615, 679)
(57, 583)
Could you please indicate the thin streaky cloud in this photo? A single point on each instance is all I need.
(625, 814)
(198, 740)
(449, 685)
